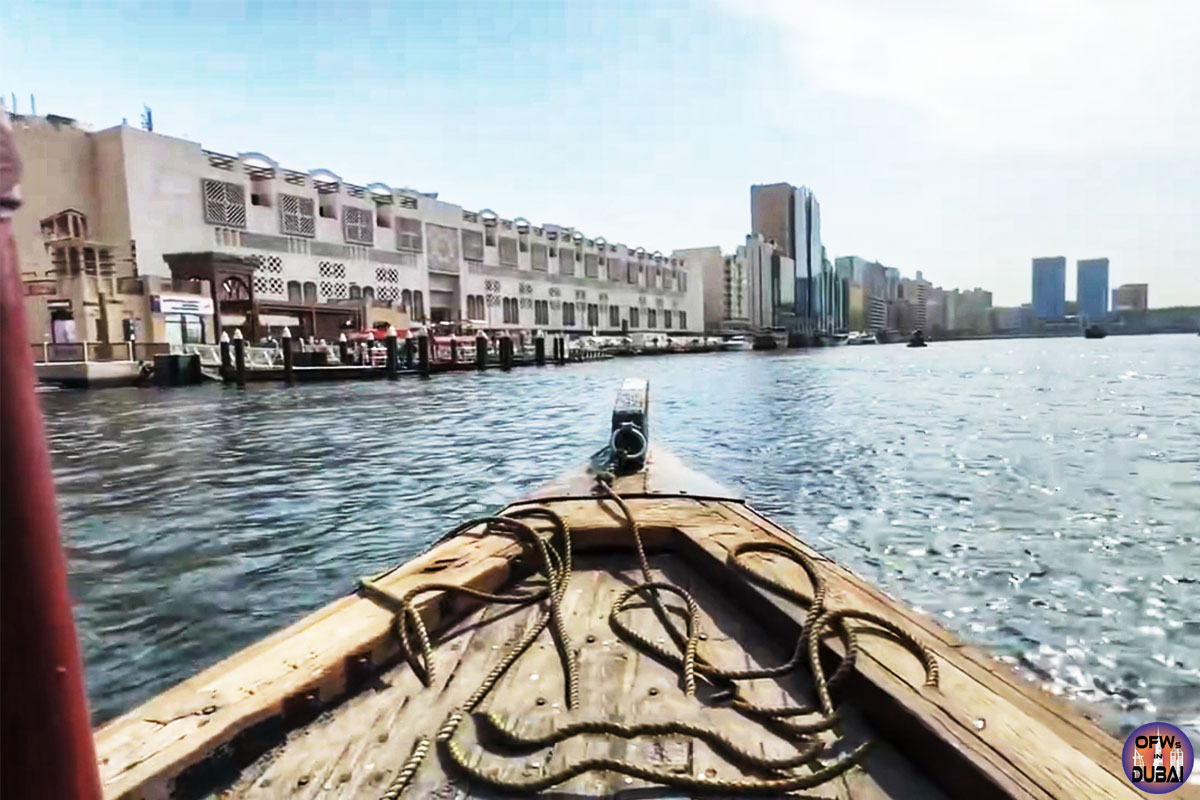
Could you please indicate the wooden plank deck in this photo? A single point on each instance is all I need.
(322, 708)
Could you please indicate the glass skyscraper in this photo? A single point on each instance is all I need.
(1049, 287)
(1091, 287)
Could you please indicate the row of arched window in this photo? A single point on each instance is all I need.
(411, 301)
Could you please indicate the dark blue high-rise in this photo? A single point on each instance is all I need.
(1091, 287)
(1049, 287)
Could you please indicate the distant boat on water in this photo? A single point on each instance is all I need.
(918, 340)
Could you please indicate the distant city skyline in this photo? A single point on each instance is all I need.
(964, 174)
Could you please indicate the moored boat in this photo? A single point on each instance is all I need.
(1094, 331)
(629, 627)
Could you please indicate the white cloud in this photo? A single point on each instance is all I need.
(1080, 77)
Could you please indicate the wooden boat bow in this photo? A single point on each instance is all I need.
(351, 700)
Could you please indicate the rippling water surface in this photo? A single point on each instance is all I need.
(1040, 497)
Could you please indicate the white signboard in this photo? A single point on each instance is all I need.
(184, 304)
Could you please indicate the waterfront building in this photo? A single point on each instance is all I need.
(866, 287)
(968, 311)
(304, 249)
(914, 293)
(770, 283)
(733, 301)
(1131, 297)
(1049, 287)
(935, 309)
(892, 283)
(709, 263)
(791, 217)
(1091, 288)
(1017, 319)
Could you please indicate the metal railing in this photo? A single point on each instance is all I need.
(210, 355)
(84, 352)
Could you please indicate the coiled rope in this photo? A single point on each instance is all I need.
(555, 559)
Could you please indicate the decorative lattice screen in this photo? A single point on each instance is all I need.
(224, 203)
(297, 215)
(358, 225)
(332, 269)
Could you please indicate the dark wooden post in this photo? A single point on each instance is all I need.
(239, 358)
(539, 348)
(506, 353)
(409, 351)
(453, 350)
(226, 357)
(289, 357)
(343, 349)
(423, 352)
(392, 360)
(562, 349)
(481, 350)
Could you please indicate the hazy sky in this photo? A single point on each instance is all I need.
(957, 138)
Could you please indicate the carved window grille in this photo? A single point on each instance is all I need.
(591, 265)
(566, 261)
(297, 215)
(224, 203)
(268, 285)
(272, 264)
(358, 225)
(386, 275)
(387, 294)
(332, 269)
(334, 290)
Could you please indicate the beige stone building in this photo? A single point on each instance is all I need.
(126, 230)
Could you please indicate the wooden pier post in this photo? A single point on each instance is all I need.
(409, 351)
(562, 350)
(539, 348)
(392, 360)
(506, 353)
(239, 358)
(481, 350)
(226, 357)
(289, 357)
(423, 351)
(453, 350)
(343, 349)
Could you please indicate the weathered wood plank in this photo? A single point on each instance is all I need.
(141, 751)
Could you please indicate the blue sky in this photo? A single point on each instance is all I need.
(957, 139)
